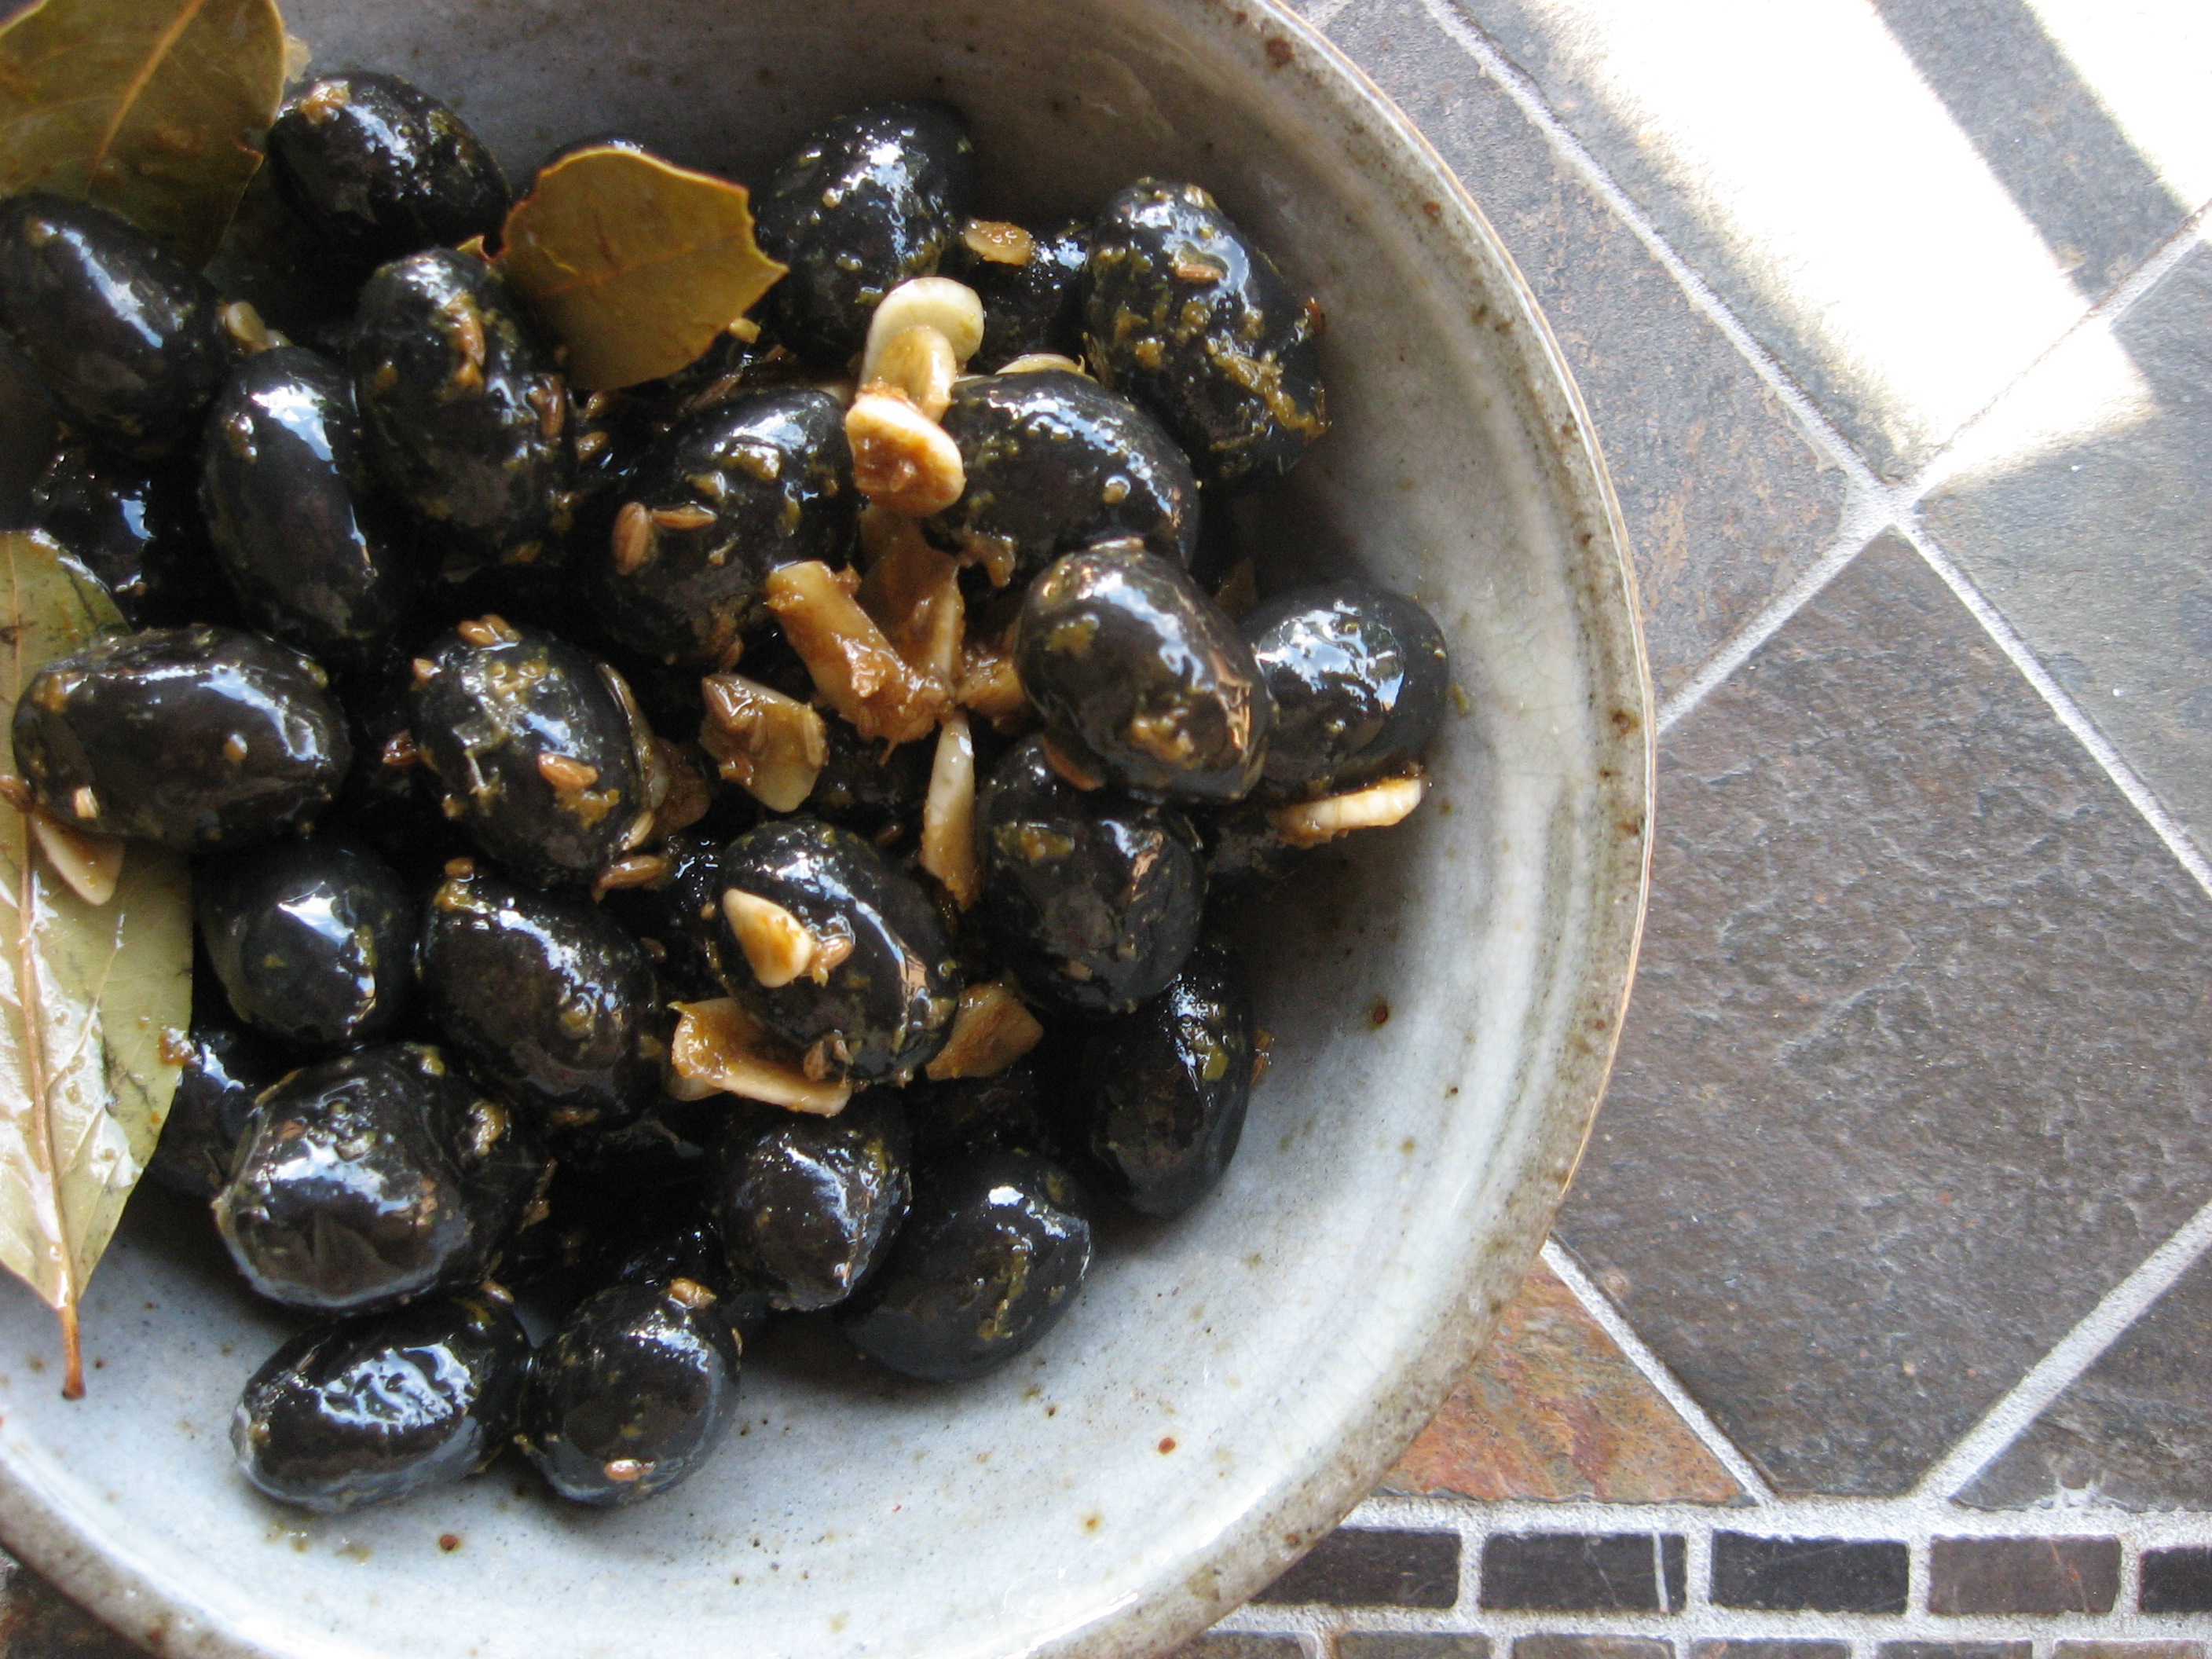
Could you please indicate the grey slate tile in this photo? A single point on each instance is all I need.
(2134, 1431)
(1231, 1644)
(1582, 1572)
(1591, 1647)
(2124, 1649)
(1370, 1567)
(1955, 1649)
(1769, 1648)
(1725, 500)
(1920, 1063)
(1809, 1575)
(2096, 547)
(2177, 1580)
(1969, 1575)
(1410, 1644)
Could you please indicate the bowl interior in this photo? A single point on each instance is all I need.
(1443, 998)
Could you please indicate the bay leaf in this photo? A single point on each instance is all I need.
(95, 999)
(153, 109)
(633, 264)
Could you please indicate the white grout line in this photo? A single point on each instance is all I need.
(2073, 1354)
(1654, 1370)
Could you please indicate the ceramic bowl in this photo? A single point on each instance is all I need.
(1443, 998)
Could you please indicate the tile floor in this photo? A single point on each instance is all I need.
(1876, 1325)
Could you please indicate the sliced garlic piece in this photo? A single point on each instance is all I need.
(719, 1049)
(1377, 807)
(990, 1032)
(779, 947)
(770, 746)
(1029, 362)
(948, 813)
(859, 673)
(91, 864)
(920, 362)
(902, 459)
(953, 309)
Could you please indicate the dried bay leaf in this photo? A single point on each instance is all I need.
(95, 999)
(632, 263)
(153, 109)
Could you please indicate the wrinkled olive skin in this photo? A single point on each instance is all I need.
(314, 941)
(991, 1253)
(195, 737)
(463, 410)
(808, 1206)
(380, 170)
(1093, 899)
(369, 1180)
(1186, 316)
(313, 548)
(1056, 462)
(636, 1383)
(888, 1006)
(769, 475)
(365, 1411)
(1359, 675)
(871, 200)
(1161, 1091)
(119, 333)
(483, 719)
(135, 525)
(546, 997)
(692, 1248)
(1245, 854)
(226, 1067)
(674, 918)
(1036, 306)
(968, 1117)
(1132, 666)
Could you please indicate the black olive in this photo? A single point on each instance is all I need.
(869, 789)
(963, 1117)
(297, 517)
(365, 1411)
(1094, 899)
(992, 1252)
(463, 410)
(197, 737)
(871, 200)
(1160, 1091)
(136, 525)
(631, 1397)
(314, 941)
(546, 997)
(532, 746)
(808, 1204)
(726, 497)
(1132, 666)
(674, 917)
(887, 985)
(380, 170)
(1036, 306)
(1056, 462)
(122, 335)
(1185, 315)
(369, 1180)
(1359, 676)
(226, 1067)
(1245, 852)
(690, 1248)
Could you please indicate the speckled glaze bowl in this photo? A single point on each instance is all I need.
(1445, 1000)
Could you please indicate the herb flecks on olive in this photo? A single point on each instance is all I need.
(1192, 319)
(371, 1410)
(1132, 666)
(195, 737)
(1034, 305)
(808, 1206)
(1359, 675)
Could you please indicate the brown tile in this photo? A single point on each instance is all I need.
(1810, 1574)
(1591, 1647)
(1410, 1644)
(1771, 1647)
(1554, 1410)
(1919, 1064)
(1955, 1650)
(37, 1621)
(1371, 1567)
(2177, 1580)
(1968, 1575)
(2127, 1650)
(1230, 1645)
(1725, 500)
(1582, 1572)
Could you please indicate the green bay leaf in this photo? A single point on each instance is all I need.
(632, 263)
(153, 109)
(95, 999)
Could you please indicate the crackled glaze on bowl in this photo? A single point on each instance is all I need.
(1444, 1002)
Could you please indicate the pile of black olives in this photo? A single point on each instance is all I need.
(733, 850)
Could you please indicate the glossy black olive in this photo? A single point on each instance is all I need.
(380, 170)
(1161, 1091)
(1036, 306)
(314, 941)
(674, 917)
(886, 1006)
(1193, 321)
(303, 528)
(726, 497)
(546, 997)
(1132, 666)
(463, 410)
(1359, 676)
(1093, 898)
(226, 1067)
(633, 1394)
(869, 201)
(369, 1180)
(135, 525)
(691, 1248)
(122, 335)
(197, 737)
(992, 1252)
(531, 747)
(808, 1204)
(365, 1411)
(1245, 854)
(868, 789)
(965, 1117)
(1056, 462)
(390, 800)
